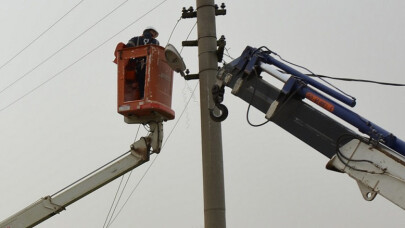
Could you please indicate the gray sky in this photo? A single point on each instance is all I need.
(69, 126)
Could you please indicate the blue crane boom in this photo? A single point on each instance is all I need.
(377, 163)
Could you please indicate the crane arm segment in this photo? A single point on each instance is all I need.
(49, 206)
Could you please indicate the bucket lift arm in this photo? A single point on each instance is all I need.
(376, 163)
(49, 206)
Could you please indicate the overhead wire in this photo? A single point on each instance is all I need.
(63, 47)
(108, 217)
(356, 80)
(154, 159)
(133, 190)
(330, 77)
(113, 202)
(82, 57)
(127, 151)
(173, 29)
(143, 176)
(91, 173)
(181, 50)
(40, 35)
(227, 54)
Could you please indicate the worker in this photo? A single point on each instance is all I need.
(148, 36)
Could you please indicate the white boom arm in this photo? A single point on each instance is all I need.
(377, 169)
(48, 206)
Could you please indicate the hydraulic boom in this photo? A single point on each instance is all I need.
(377, 163)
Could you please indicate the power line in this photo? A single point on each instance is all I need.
(112, 204)
(77, 181)
(108, 218)
(173, 30)
(85, 55)
(153, 161)
(40, 35)
(357, 80)
(77, 37)
(188, 36)
(147, 170)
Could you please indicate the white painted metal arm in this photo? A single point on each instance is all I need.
(48, 206)
(377, 170)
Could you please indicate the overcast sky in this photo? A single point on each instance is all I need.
(54, 133)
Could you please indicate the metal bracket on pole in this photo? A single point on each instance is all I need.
(221, 11)
(192, 76)
(191, 13)
(221, 47)
(190, 43)
(188, 13)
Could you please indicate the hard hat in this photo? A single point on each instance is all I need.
(151, 28)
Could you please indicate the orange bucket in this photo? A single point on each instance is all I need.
(144, 68)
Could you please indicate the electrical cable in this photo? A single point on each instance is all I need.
(276, 111)
(82, 57)
(188, 35)
(173, 30)
(342, 157)
(40, 35)
(133, 190)
(181, 114)
(119, 198)
(108, 218)
(181, 50)
(356, 80)
(112, 204)
(91, 173)
(227, 54)
(314, 75)
(137, 132)
(281, 58)
(63, 47)
(153, 161)
(248, 109)
(250, 104)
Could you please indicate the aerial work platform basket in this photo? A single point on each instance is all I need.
(145, 83)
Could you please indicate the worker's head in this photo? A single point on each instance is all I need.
(152, 31)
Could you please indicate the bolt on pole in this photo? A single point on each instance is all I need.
(212, 158)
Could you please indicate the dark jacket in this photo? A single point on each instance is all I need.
(146, 38)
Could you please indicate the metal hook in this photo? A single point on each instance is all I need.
(223, 113)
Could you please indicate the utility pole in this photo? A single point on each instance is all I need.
(211, 136)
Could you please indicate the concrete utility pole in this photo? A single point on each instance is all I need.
(212, 161)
